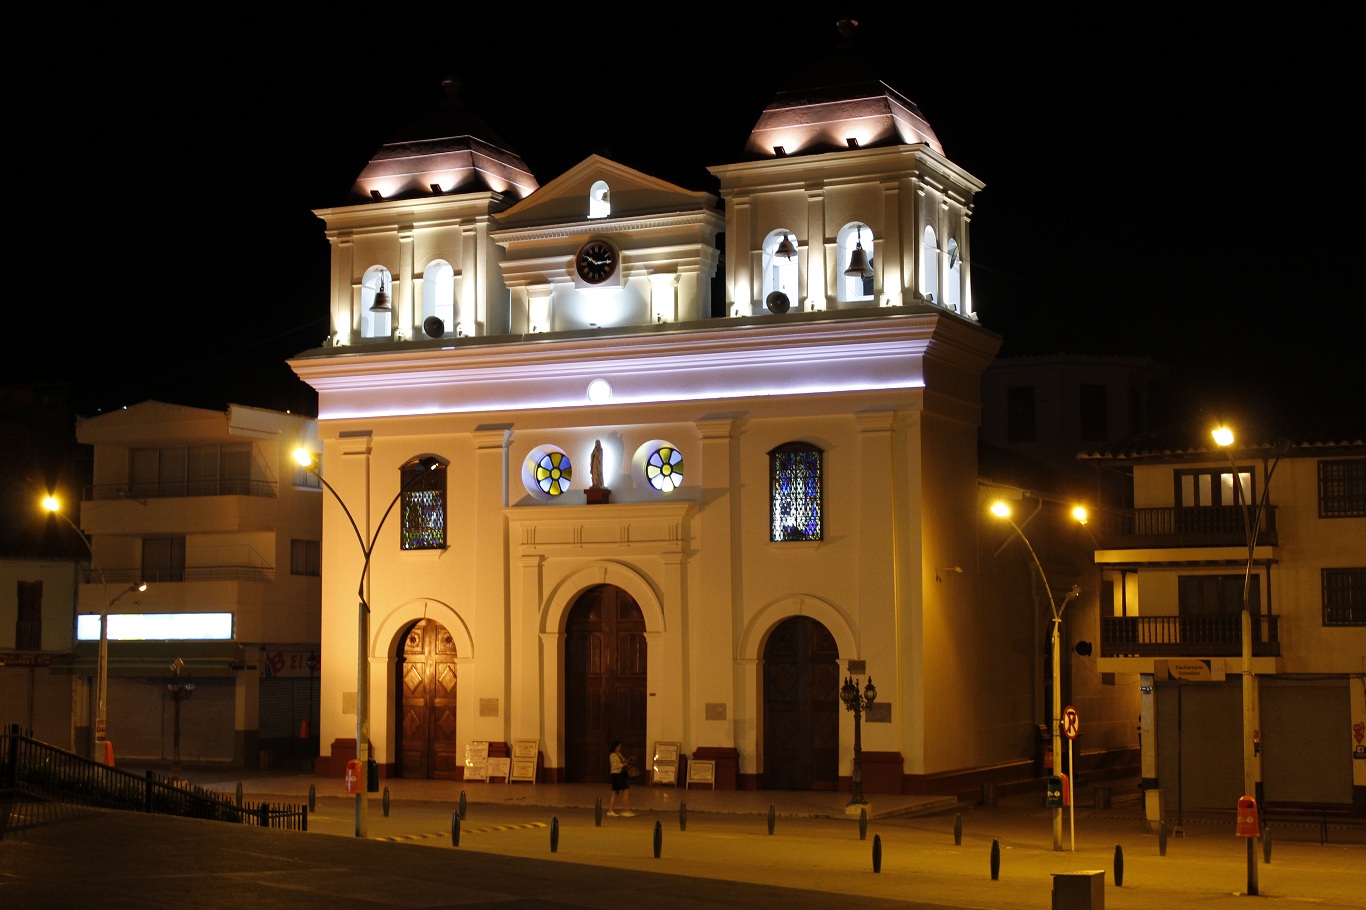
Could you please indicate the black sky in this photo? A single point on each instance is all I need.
(1156, 185)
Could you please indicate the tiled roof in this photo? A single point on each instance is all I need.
(1263, 433)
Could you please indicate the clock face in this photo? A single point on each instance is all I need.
(596, 261)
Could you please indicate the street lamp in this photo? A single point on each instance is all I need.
(179, 688)
(858, 703)
(53, 505)
(306, 460)
(1001, 510)
(1252, 526)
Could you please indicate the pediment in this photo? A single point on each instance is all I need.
(565, 200)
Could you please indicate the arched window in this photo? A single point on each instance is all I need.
(855, 244)
(953, 277)
(376, 323)
(929, 266)
(795, 497)
(599, 200)
(424, 505)
(780, 269)
(438, 298)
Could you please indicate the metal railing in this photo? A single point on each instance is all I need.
(177, 489)
(1181, 526)
(1187, 636)
(36, 771)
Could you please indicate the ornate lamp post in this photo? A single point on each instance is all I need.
(858, 702)
(1252, 526)
(53, 505)
(305, 459)
(179, 687)
(1001, 510)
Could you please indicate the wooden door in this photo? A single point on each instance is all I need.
(604, 684)
(426, 677)
(801, 707)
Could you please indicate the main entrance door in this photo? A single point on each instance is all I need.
(801, 707)
(426, 709)
(604, 682)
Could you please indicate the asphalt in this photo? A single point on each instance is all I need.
(528, 845)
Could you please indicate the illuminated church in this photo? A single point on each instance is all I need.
(607, 458)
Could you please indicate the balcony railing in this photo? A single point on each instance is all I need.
(226, 563)
(1183, 526)
(1187, 636)
(178, 489)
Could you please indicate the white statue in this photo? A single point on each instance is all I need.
(595, 464)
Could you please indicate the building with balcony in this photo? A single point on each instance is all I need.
(634, 461)
(1176, 563)
(211, 512)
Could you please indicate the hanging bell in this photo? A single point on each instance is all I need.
(381, 304)
(858, 264)
(786, 249)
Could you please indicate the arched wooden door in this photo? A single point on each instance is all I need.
(604, 682)
(426, 709)
(801, 707)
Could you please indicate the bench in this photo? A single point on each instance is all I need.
(1284, 812)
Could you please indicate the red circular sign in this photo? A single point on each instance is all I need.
(1071, 720)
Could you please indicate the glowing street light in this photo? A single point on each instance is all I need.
(54, 505)
(1002, 511)
(306, 460)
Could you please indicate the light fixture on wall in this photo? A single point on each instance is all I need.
(381, 304)
(786, 249)
(858, 260)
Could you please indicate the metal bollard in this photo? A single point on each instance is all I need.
(455, 829)
(1119, 866)
(554, 834)
(659, 838)
(597, 812)
(1162, 838)
(995, 860)
(462, 803)
(1266, 845)
(682, 816)
(863, 824)
(877, 853)
(312, 798)
(958, 829)
(772, 818)
(239, 794)
(386, 802)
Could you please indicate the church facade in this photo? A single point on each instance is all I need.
(607, 458)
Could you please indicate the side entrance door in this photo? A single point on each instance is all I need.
(801, 707)
(426, 710)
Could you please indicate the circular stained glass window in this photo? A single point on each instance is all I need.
(553, 473)
(664, 469)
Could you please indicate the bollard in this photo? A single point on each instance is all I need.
(1266, 845)
(659, 838)
(455, 829)
(683, 816)
(386, 802)
(772, 818)
(1119, 866)
(265, 815)
(554, 834)
(863, 824)
(958, 829)
(597, 812)
(462, 803)
(877, 853)
(995, 860)
(312, 798)
(239, 794)
(1162, 838)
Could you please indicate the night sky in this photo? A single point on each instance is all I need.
(1166, 183)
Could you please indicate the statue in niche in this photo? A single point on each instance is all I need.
(595, 464)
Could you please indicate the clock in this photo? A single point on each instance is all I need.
(596, 261)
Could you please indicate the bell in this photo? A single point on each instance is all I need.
(858, 264)
(786, 249)
(381, 304)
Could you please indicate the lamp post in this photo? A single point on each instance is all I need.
(179, 688)
(305, 459)
(53, 505)
(1001, 510)
(1252, 525)
(858, 702)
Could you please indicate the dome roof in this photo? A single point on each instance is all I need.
(446, 151)
(838, 103)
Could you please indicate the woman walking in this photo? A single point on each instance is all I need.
(621, 784)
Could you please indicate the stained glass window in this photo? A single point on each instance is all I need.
(664, 469)
(553, 473)
(795, 471)
(424, 506)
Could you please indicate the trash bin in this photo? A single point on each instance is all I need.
(1079, 890)
(1101, 796)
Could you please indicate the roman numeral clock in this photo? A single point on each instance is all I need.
(596, 262)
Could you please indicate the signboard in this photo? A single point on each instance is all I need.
(664, 768)
(702, 772)
(1071, 721)
(477, 761)
(524, 754)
